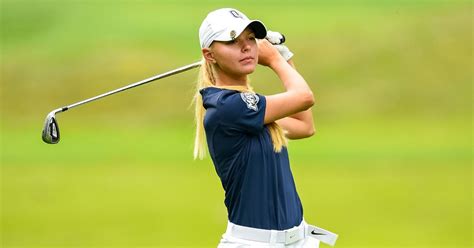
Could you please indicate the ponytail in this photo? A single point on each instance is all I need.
(206, 78)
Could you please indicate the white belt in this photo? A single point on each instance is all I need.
(288, 236)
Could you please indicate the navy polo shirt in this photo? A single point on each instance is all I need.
(259, 188)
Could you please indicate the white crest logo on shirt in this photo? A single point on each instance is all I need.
(251, 99)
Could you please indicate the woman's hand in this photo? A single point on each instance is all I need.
(268, 54)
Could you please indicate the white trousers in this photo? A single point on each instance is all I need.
(230, 241)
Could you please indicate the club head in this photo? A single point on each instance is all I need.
(51, 129)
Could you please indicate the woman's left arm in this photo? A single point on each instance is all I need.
(299, 125)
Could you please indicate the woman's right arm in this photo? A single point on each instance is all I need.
(298, 96)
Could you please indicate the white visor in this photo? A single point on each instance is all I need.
(227, 24)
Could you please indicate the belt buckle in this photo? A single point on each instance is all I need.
(291, 236)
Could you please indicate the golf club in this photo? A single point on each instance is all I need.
(51, 129)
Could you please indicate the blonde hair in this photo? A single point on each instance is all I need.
(207, 78)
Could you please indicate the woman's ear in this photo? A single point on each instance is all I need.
(208, 55)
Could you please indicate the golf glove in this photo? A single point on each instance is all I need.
(277, 39)
(284, 52)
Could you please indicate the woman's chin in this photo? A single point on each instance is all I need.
(247, 69)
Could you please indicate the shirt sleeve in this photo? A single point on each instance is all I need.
(242, 111)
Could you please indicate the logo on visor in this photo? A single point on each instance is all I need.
(251, 99)
(236, 14)
(233, 34)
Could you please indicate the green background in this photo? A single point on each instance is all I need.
(390, 164)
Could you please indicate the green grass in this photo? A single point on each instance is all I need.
(137, 187)
(361, 59)
(126, 205)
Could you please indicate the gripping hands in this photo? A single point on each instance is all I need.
(277, 39)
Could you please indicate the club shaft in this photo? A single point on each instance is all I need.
(144, 81)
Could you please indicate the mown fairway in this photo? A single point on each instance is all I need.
(390, 165)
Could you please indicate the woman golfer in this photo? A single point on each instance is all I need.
(246, 133)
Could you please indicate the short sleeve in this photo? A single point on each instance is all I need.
(243, 111)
